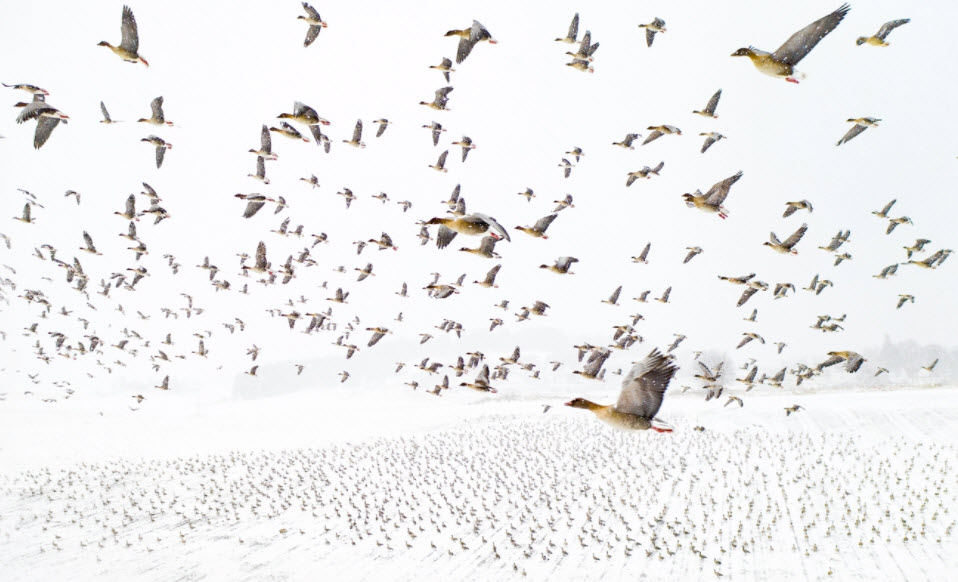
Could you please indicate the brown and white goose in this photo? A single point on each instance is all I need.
(640, 399)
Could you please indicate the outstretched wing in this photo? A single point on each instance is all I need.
(802, 42)
(444, 236)
(655, 134)
(130, 39)
(719, 191)
(890, 26)
(713, 102)
(796, 236)
(644, 387)
(851, 133)
(543, 223)
(311, 34)
(494, 225)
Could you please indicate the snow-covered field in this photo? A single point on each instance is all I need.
(335, 486)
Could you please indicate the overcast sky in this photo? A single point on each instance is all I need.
(226, 68)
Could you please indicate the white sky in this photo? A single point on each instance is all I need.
(225, 68)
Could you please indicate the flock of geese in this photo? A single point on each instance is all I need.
(470, 501)
(643, 387)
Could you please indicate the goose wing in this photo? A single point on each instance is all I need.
(494, 225)
(444, 236)
(265, 141)
(543, 223)
(644, 387)
(358, 131)
(45, 126)
(796, 236)
(890, 26)
(851, 133)
(713, 102)
(574, 27)
(157, 106)
(802, 42)
(130, 39)
(719, 191)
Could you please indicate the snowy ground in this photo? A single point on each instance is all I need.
(859, 485)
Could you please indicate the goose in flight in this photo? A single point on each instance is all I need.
(445, 66)
(129, 49)
(47, 116)
(88, 244)
(316, 24)
(644, 255)
(261, 266)
(306, 115)
(793, 207)
(614, 298)
(853, 361)
(643, 390)
(383, 124)
(471, 224)
(436, 130)
(781, 63)
(440, 165)
(469, 38)
(712, 200)
(837, 241)
(156, 116)
(564, 203)
(106, 115)
(490, 280)
(710, 138)
(482, 381)
(627, 142)
(665, 295)
(917, 247)
(260, 170)
(538, 230)
(861, 124)
(894, 222)
(486, 248)
(749, 336)
(254, 202)
(709, 110)
(657, 25)
(561, 266)
(265, 150)
(660, 130)
(878, 39)
(887, 272)
(289, 131)
(27, 87)
(357, 142)
(787, 247)
(693, 252)
(646, 173)
(25, 217)
(570, 37)
(883, 213)
(466, 144)
(378, 334)
(161, 147)
(440, 100)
